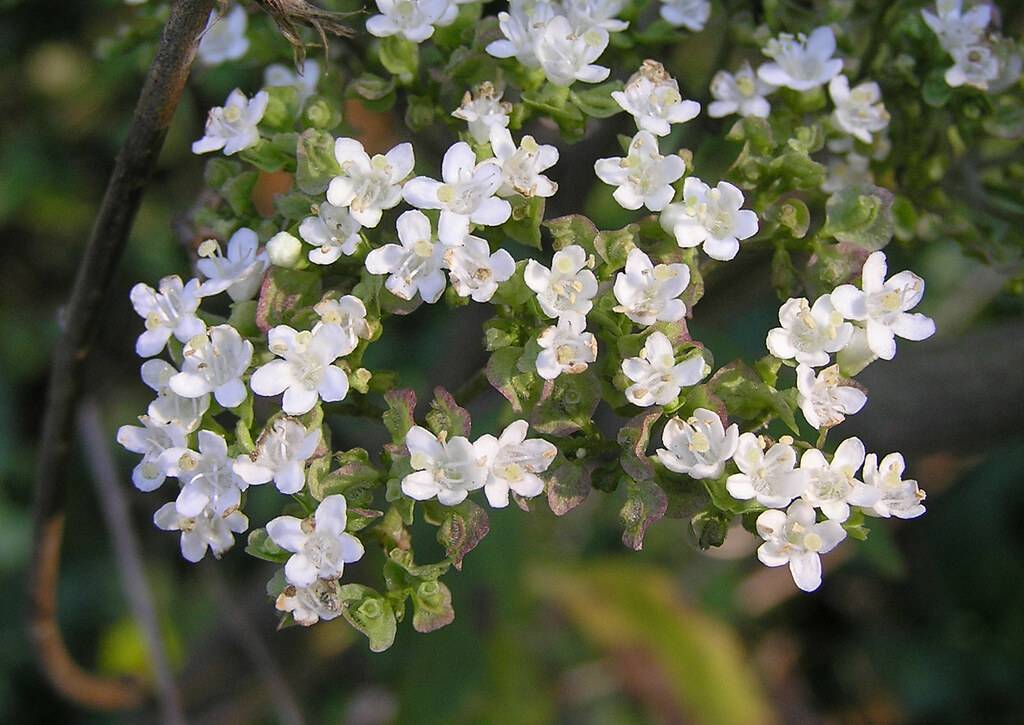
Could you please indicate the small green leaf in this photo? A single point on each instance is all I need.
(645, 504)
(283, 291)
(597, 101)
(571, 405)
(568, 485)
(464, 526)
(860, 215)
(446, 416)
(524, 224)
(261, 546)
(634, 437)
(400, 415)
(316, 164)
(370, 613)
(572, 229)
(401, 57)
(431, 606)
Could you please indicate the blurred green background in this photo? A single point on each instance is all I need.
(556, 622)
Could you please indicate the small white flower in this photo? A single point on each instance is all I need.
(743, 93)
(833, 486)
(657, 379)
(644, 177)
(169, 407)
(824, 399)
(568, 288)
(224, 37)
(565, 348)
(770, 477)
(415, 264)
(306, 371)
(208, 530)
(955, 28)
(567, 54)
(169, 311)
(278, 75)
(883, 306)
(240, 272)
(801, 62)
(809, 333)
(367, 186)
(320, 546)
(974, 65)
(521, 167)
(308, 605)
(649, 293)
(466, 195)
(284, 250)
(414, 20)
(233, 126)
(514, 462)
(214, 362)
(690, 14)
(483, 111)
(794, 537)
(348, 313)
(698, 446)
(334, 231)
(586, 14)
(652, 97)
(448, 469)
(900, 497)
(280, 456)
(712, 217)
(859, 111)
(474, 271)
(207, 477)
(846, 171)
(522, 27)
(151, 440)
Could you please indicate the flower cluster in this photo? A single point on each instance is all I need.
(981, 59)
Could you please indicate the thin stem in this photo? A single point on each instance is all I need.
(135, 162)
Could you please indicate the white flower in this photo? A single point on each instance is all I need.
(657, 379)
(278, 75)
(844, 172)
(801, 62)
(306, 373)
(171, 311)
(883, 306)
(770, 477)
(522, 26)
(224, 37)
(415, 264)
(586, 14)
(955, 28)
(333, 230)
(690, 14)
(448, 469)
(521, 168)
(233, 126)
(474, 271)
(348, 313)
(859, 112)
(151, 440)
(900, 497)
(308, 605)
(644, 177)
(483, 111)
(169, 407)
(319, 545)
(284, 250)
(368, 186)
(824, 399)
(567, 54)
(208, 530)
(240, 272)
(743, 93)
(280, 456)
(833, 486)
(652, 97)
(466, 194)
(974, 65)
(207, 477)
(809, 333)
(647, 293)
(712, 217)
(794, 537)
(698, 446)
(565, 348)
(214, 362)
(568, 288)
(514, 462)
(412, 19)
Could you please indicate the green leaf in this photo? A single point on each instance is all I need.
(860, 215)
(420, 112)
(371, 613)
(935, 91)
(614, 247)
(464, 526)
(568, 484)
(572, 229)
(401, 57)
(237, 192)
(645, 504)
(431, 606)
(634, 437)
(374, 92)
(513, 291)
(748, 397)
(272, 154)
(261, 546)
(571, 405)
(316, 164)
(832, 265)
(710, 527)
(445, 415)
(400, 415)
(715, 156)
(293, 205)
(501, 370)
(352, 478)
(524, 224)
(597, 101)
(283, 291)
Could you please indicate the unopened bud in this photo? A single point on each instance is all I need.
(284, 250)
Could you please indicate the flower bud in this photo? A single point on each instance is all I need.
(284, 250)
